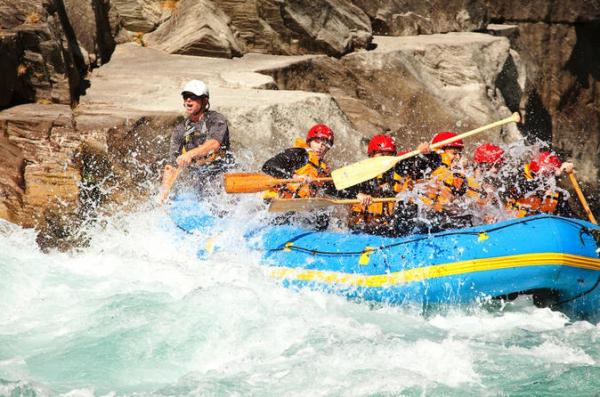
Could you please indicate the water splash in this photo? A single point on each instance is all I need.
(139, 313)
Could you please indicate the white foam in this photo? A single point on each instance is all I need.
(523, 316)
(137, 310)
(553, 351)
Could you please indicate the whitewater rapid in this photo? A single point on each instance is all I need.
(138, 313)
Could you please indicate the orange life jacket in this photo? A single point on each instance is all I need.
(476, 192)
(376, 214)
(535, 203)
(404, 183)
(314, 167)
(444, 185)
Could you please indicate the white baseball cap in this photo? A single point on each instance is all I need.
(196, 87)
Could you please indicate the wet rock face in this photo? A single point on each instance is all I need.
(48, 46)
(38, 173)
(38, 63)
(11, 178)
(559, 43)
(62, 169)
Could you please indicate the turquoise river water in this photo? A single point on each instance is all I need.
(138, 314)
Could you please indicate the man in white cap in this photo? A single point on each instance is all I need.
(200, 142)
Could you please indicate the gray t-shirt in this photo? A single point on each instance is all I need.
(190, 134)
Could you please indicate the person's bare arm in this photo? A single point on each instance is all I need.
(208, 147)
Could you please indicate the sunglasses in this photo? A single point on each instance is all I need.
(324, 141)
(189, 95)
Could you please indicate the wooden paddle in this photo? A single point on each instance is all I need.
(364, 170)
(254, 182)
(168, 181)
(582, 199)
(305, 204)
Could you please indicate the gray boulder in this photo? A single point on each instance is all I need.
(414, 17)
(197, 27)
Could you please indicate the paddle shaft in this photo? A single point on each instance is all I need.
(256, 182)
(515, 117)
(369, 168)
(306, 204)
(357, 201)
(278, 182)
(582, 199)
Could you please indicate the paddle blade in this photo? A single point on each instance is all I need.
(249, 182)
(306, 204)
(300, 204)
(361, 171)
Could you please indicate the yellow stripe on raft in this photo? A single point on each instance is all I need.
(435, 271)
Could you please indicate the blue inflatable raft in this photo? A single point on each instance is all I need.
(557, 260)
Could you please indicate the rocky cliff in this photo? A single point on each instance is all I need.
(90, 88)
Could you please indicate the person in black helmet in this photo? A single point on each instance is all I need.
(200, 143)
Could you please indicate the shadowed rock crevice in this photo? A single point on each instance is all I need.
(508, 84)
(537, 123)
(584, 64)
(577, 130)
(9, 69)
(49, 63)
(74, 61)
(106, 42)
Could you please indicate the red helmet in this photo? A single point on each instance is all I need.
(320, 131)
(488, 154)
(546, 161)
(442, 136)
(380, 144)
